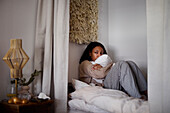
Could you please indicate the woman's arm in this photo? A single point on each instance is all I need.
(88, 69)
(96, 66)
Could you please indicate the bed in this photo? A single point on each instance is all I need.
(96, 99)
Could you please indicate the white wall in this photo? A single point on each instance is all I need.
(127, 31)
(17, 20)
(103, 22)
(158, 38)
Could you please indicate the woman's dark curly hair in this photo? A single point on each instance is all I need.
(88, 49)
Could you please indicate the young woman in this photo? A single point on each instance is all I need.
(122, 75)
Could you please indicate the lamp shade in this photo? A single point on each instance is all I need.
(16, 58)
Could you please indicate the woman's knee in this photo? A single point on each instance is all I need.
(124, 65)
(132, 62)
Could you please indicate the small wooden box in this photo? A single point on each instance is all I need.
(31, 107)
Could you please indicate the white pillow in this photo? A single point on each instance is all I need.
(77, 84)
(103, 60)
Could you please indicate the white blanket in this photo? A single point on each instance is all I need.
(78, 104)
(109, 100)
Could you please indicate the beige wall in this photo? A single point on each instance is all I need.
(17, 20)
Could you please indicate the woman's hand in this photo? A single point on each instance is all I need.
(96, 66)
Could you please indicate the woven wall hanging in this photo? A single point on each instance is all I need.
(83, 21)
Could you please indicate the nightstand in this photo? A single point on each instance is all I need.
(31, 107)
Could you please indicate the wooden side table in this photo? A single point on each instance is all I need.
(31, 107)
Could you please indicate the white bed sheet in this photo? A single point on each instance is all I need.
(78, 104)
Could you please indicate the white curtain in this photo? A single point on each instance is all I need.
(51, 50)
(158, 37)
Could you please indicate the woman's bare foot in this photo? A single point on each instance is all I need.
(143, 97)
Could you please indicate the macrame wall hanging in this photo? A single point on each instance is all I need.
(83, 21)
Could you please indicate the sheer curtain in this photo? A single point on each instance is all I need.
(158, 37)
(51, 50)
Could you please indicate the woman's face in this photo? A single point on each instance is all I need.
(96, 52)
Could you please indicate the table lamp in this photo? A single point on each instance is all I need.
(16, 59)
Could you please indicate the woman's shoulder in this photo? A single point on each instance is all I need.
(85, 64)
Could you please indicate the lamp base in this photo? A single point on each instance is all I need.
(16, 87)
